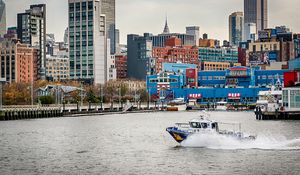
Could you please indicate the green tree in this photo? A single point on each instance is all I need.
(46, 100)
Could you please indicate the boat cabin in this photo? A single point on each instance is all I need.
(203, 124)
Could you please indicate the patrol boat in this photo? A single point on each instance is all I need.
(202, 125)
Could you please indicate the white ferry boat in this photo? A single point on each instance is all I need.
(202, 125)
(269, 101)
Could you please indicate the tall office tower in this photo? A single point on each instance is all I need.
(117, 41)
(117, 36)
(194, 30)
(31, 29)
(2, 18)
(205, 36)
(66, 37)
(108, 8)
(139, 57)
(256, 11)
(236, 25)
(250, 32)
(87, 42)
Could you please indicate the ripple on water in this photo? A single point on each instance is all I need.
(139, 144)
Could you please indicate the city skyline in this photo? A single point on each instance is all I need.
(138, 20)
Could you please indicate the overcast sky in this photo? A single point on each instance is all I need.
(139, 16)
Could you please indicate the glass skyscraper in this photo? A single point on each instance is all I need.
(236, 26)
(108, 8)
(2, 18)
(87, 41)
(256, 11)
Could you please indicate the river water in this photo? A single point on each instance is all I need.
(138, 144)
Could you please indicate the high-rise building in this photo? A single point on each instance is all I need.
(121, 66)
(118, 41)
(31, 29)
(108, 8)
(256, 11)
(19, 62)
(250, 32)
(2, 18)
(194, 30)
(66, 37)
(88, 43)
(139, 57)
(236, 25)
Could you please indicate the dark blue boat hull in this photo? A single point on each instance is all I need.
(178, 135)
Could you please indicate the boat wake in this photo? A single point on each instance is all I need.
(216, 141)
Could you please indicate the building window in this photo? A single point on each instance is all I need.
(77, 6)
(270, 77)
(90, 5)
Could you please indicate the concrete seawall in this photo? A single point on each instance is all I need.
(36, 113)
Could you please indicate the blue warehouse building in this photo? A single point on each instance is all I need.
(237, 85)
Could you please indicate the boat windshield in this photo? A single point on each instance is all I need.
(199, 125)
(204, 125)
(195, 125)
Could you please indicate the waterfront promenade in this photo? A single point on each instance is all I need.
(70, 110)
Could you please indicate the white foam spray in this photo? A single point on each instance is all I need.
(216, 141)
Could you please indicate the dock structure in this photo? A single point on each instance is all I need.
(29, 113)
(277, 115)
(36, 112)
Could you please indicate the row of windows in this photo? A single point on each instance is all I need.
(81, 16)
(212, 78)
(264, 47)
(163, 80)
(83, 5)
(270, 77)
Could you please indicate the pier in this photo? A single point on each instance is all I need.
(278, 115)
(29, 113)
(36, 112)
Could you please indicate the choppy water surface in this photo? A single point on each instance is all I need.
(139, 144)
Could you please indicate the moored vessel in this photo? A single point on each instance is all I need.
(177, 104)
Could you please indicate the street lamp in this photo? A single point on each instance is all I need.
(149, 98)
(101, 96)
(120, 98)
(2, 80)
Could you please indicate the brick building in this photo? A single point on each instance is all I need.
(18, 62)
(174, 52)
(121, 66)
(207, 43)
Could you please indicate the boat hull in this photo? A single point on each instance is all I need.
(178, 135)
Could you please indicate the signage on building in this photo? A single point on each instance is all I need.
(238, 72)
(264, 34)
(234, 96)
(259, 58)
(195, 96)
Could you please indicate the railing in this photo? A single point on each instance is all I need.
(182, 125)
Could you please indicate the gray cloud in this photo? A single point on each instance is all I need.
(139, 16)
